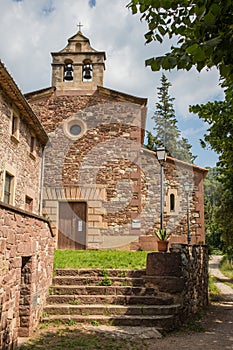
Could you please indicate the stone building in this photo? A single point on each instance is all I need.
(101, 189)
(26, 239)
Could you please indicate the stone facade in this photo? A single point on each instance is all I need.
(105, 159)
(26, 239)
(26, 262)
(176, 175)
(182, 274)
(105, 164)
(21, 160)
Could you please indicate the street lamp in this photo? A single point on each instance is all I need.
(161, 156)
(187, 188)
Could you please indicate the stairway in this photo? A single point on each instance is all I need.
(112, 297)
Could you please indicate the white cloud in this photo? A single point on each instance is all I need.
(31, 29)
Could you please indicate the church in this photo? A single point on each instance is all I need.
(74, 175)
(101, 187)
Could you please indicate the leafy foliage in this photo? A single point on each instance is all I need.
(162, 234)
(219, 115)
(213, 191)
(167, 133)
(202, 28)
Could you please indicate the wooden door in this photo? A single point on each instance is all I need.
(72, 225)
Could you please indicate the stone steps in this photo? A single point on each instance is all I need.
(160, 322)
(101, 309)
(96, 280)
(109, 299)
(104, 290)
(112, 297)
(100, 272)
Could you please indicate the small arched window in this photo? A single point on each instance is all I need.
(87, 71)
(172, 202)
(68, 71)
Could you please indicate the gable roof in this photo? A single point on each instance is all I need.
(81, 39)
(119, 96)
(180, 162)
(13, 92)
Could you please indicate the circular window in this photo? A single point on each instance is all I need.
(74, 128)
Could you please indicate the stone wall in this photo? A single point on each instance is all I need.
(183, 274)
(26, 263)
(16, 158)
(176, 174)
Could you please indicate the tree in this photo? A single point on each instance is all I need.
(151, 141)
(213, 191)
(219, 115)
(167, 133)
(203, 30)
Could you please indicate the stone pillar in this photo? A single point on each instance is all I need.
(182, 274)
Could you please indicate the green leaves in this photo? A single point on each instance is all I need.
(203, 29)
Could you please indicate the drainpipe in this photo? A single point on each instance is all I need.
(41, 182)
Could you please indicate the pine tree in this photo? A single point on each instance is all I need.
(150, 141)
(167, 133)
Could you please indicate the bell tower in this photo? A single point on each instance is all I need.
(78, 66)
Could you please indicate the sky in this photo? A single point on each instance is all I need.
(31, 29)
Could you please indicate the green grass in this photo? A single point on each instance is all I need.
(103, 259)
(226, 268)
(214, 292)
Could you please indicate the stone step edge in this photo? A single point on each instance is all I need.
(68, 286)
(109, 296)
(79, 272)
(114, 278)
(111, 299)
(105, 318)
(116, 306)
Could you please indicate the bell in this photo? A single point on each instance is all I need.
(87, 72)
(68, 75)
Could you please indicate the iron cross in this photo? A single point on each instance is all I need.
(79, 26)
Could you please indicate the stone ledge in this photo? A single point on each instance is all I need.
(26, 213)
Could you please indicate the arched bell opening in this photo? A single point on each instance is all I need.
(87, 71)
(68, 71)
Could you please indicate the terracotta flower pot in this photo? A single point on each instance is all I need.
(162, 246)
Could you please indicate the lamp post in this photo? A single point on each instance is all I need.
(161, 156)
(187, 188)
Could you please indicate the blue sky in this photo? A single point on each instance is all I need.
(31, 29)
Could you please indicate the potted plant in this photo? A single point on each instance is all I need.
(162, 240)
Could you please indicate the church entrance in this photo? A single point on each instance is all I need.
(72, 225)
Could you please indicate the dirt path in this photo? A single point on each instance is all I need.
(226, 291)
(215, 330)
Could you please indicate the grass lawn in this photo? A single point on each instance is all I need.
(214, 292)
(103, 259)
(226, 268)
